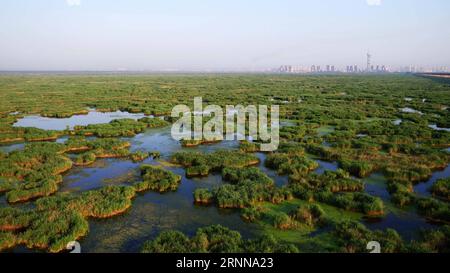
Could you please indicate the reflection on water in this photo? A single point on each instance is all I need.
(376, 185)
(435, 127)
(280, 180)
(11, 147)
(326, 166)
(410, 110)
(423, 188)
(98, 174)
(92, 117)
(406, 223)
(20, 146)
(397, 121)
(287, 123)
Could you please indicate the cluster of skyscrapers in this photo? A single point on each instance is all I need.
(369, 68)
(333, 69)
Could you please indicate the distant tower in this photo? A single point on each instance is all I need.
(368, 61)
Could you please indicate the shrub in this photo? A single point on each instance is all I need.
(432, 241)
(35, 189)
(441, 188)
(7, 240)
(352, 237)
(296, 166)
(168, 242)
(309, 214)
(283, 221)
(251, 214)
(434, 209)
(203, 196)
(249, 147)
(157, 179)
(358, 168)
(214, 239)
(268, 244)
(200, 164)
(85, 159)
(217, 239)
(139, 156)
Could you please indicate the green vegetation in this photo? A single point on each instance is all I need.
(201, 164)
(85, 159)
(251, 214)
(352, 237)
(432, 241)
(290, 159)
(119, 127)
(194, 143)
(37, 169)
(249, 147)
(59, 219)
(214, 239)
(157, 179)
(245, 187)
(355, 121)
(139, 156)
(203, 196)
(441, 189)
(337, 189)
(361, 202)
(310, 215)
(434, 209)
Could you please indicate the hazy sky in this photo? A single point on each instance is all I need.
(220, 34)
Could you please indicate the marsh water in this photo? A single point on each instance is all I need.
(92, 117)
(153, 212)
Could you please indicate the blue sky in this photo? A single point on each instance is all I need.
(213, 34)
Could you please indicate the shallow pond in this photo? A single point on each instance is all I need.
(11, 147)
(93, 117)
(397, 122)
(410, 110)
(325, 166)
(423, 188)
(435, 127)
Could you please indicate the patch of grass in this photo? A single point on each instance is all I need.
(214, 239)
(201, 164)
(157, 179)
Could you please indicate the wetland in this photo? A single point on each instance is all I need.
(361, 158)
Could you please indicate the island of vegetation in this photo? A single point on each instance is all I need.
(157, 179)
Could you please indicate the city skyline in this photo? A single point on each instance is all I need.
(100, 35)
